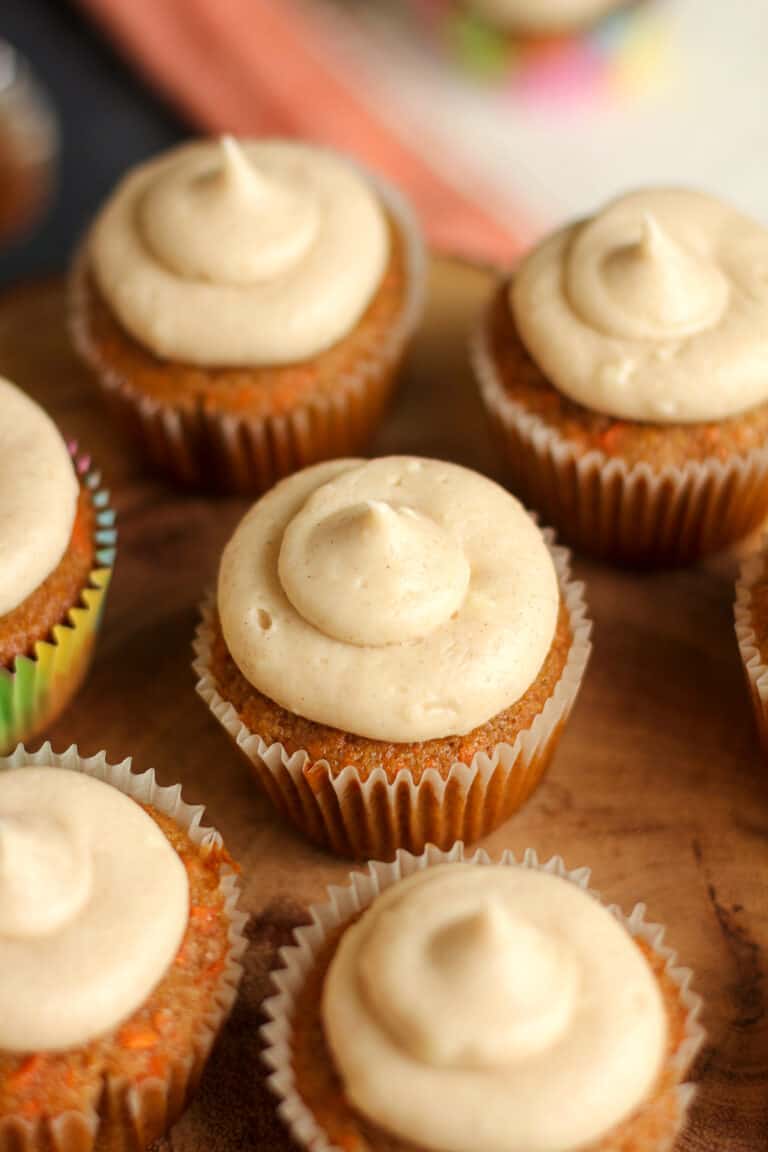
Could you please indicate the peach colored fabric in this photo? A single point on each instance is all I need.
(255, 67)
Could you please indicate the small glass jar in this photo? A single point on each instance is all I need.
(28, 146)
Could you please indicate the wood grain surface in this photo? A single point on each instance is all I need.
(658, 784)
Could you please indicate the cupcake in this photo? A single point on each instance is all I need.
(751, 619)
(544, 17)
(395, 647)
(625, 370)
(119, 952)
(245, 307)
(550, 52)
(57, 542)
(442, 1004)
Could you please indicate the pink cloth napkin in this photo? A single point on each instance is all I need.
(267, 67)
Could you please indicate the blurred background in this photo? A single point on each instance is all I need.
(497, 132)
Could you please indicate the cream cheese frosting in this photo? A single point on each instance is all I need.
(399, 599)
(496, 1008)
(655, 309)
(543, 15)
(94, 904)
(38, 496)
(249, 253)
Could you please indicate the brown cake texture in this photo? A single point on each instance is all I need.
(627, 491)
(277, 725)
(240, 429)
(635, 442)
(35, 618)
(160, 1036)
(254, 391)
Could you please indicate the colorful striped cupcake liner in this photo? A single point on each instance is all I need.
(39, 687)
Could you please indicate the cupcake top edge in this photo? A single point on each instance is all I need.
(654, 309)
(227, 253)
(398, 599)
(38, 496)
(501, 1007)
(94, 903)
(539, 17)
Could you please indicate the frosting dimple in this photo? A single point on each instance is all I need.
(38, 496)
(497, 1008)
(417, 598)
(651, 310)
(240, 253)
(93, 907)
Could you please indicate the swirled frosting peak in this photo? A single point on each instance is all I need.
(93, 907)
(630, 277)
(409, 575)
(417, 599)
(494, 1008)
(446, 1017)
(38, 496)
(227, 252)
(655, 309)
(191, 226)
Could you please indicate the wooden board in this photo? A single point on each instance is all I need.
(658, 784)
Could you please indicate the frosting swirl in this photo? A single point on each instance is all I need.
(93, 907)
(655, 309)
(38, 496)
(418, 598)
(526, 1018)
(226, 253)
(409, 577)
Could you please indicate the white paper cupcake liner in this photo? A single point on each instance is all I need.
(133, 1114)
(627, 513)
(755, 669)
(346, 902)
(244, 454)
(376, 816)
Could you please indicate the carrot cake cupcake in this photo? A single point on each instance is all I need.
(57, 543)
(550, 52)
(625, 369)
(441, 1004)
(751, 619)
(119, 953)
(395, 648)
(245, 306)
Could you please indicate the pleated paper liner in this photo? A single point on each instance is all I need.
(377, 816)
(673, 1100)
(755, 668)
(131, 1114)
(39, 687)
(629, 514)
(245, 454)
